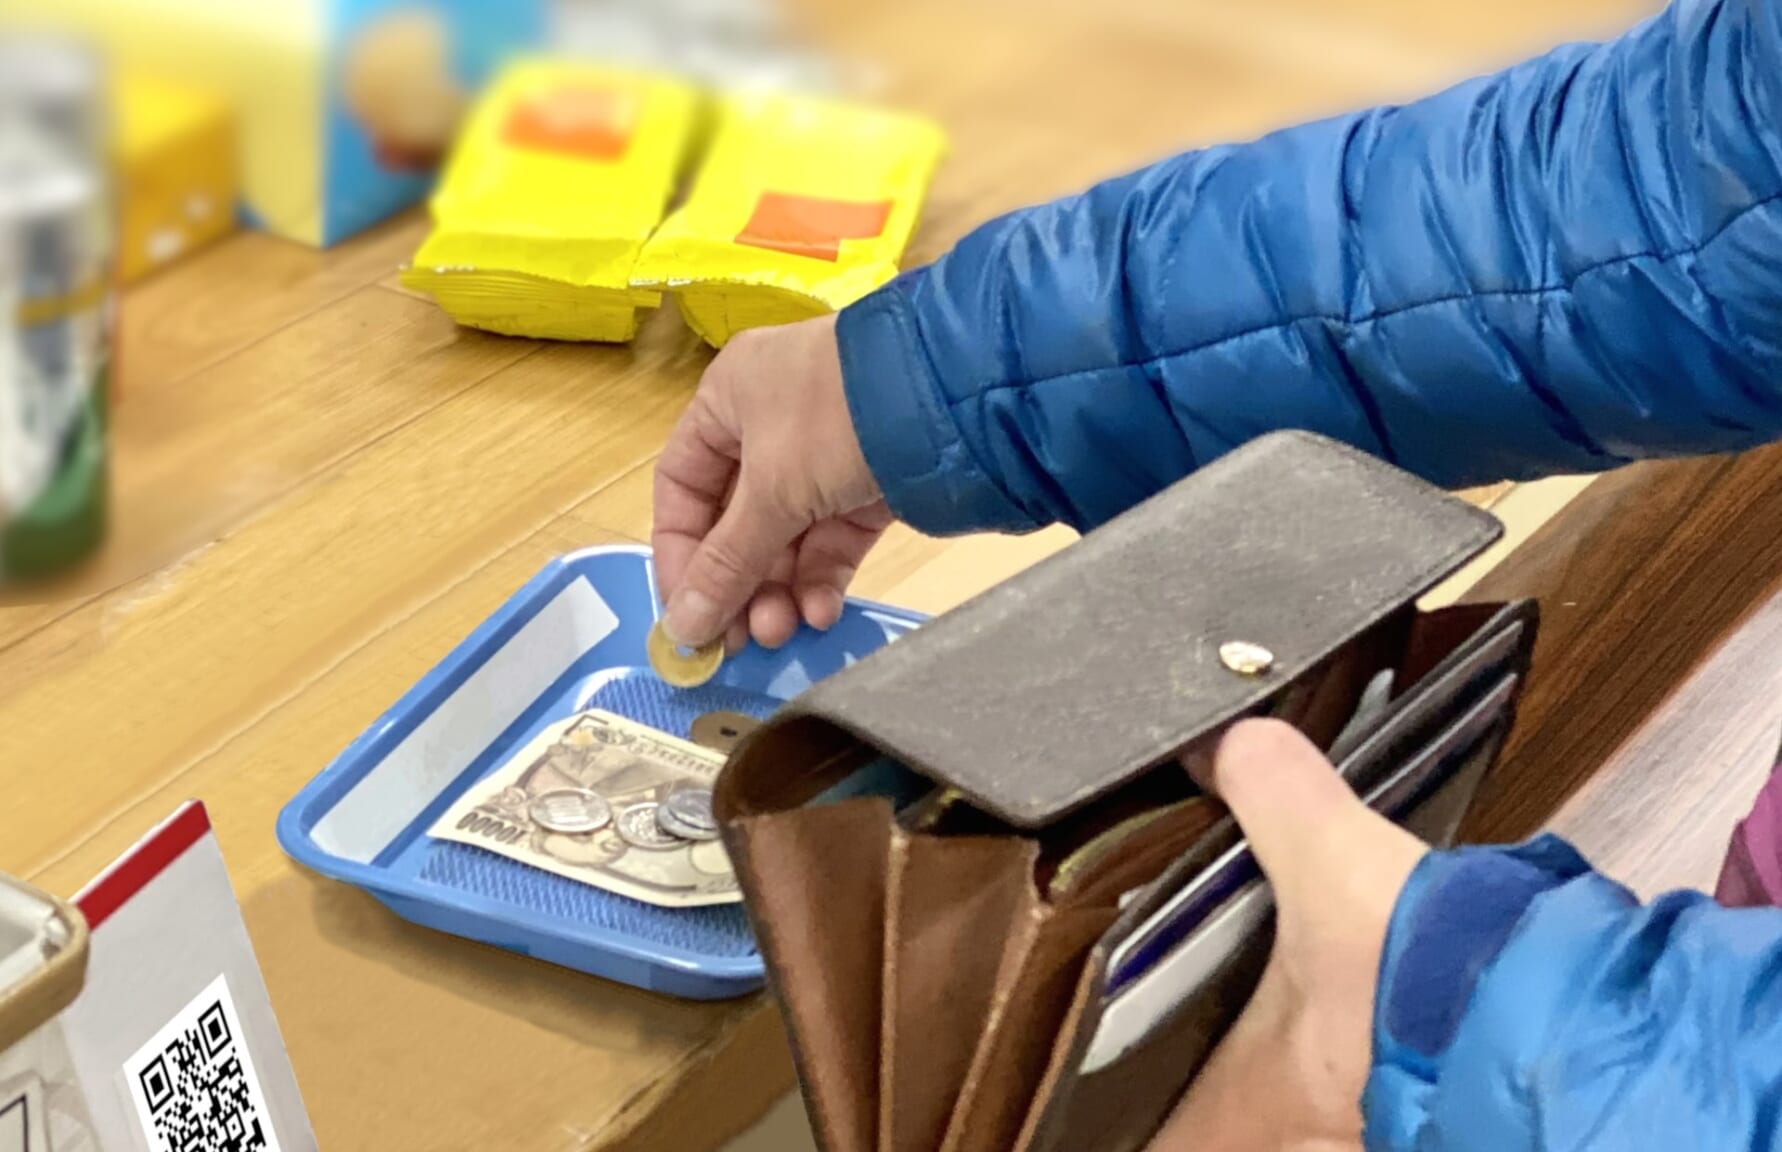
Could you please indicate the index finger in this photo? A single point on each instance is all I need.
(694, 478)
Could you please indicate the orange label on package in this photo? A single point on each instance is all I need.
(594, 123)
(802, 207)
(812, 225)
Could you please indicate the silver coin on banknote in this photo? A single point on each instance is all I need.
(571, 811)
(687, 814)
(639, 827)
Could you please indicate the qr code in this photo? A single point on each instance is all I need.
(193, 1083)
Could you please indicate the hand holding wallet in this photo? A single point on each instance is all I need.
(995, 911)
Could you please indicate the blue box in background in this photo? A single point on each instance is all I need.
(344, 106)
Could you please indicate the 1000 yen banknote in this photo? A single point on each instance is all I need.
(632, 768)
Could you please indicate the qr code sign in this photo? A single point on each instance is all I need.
(193, 1083)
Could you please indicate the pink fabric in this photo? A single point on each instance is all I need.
(1752, 874)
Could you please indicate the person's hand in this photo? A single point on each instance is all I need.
(764, 503)
(1290, 1073)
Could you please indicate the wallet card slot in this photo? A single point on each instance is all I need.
(1446, 634)
(1134, 1058)
(1376, 698)
(1181, 915)
(1428, 793)
(1406, 790)
(1410, 790)
(1154, 1034)
(1193, 903)
(1453, 682)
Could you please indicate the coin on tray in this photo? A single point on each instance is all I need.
(571, 811)
(722, 730)
(683, 667)
(540, 809)
(639, 827)
(687, 814)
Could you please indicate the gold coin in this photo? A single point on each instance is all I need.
(683, 668)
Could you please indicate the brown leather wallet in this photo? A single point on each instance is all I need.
(995, 911)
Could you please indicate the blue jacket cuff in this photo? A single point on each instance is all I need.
(928, 473)
(1455, 915)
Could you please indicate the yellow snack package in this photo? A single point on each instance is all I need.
(559, 177)
(801, 207)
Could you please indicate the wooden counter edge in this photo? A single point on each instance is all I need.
(1641, 578)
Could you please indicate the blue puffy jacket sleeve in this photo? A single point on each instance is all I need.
(1527, 1004)
(1562, 267)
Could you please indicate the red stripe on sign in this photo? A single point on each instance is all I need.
(131, 874)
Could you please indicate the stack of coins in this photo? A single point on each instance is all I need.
(55, 304)
(687, 815)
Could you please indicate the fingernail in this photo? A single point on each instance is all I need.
(820, 607)
(692, 619)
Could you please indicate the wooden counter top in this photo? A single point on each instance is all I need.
(323, 485)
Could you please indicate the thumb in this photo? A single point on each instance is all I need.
(729, 566)
(1323, 850)
(1286, 796)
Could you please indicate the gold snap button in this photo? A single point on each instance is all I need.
(1245, 658)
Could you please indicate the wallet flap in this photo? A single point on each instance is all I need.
(1169, 622)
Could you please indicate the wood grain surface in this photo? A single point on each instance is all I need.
(1659, 814)
(322, 486)
(1655, 702)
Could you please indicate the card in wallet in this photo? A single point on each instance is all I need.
(995, 911)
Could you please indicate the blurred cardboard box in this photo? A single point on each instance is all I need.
(345, 106)
(176, 171)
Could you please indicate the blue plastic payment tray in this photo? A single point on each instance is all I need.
(571, 639)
